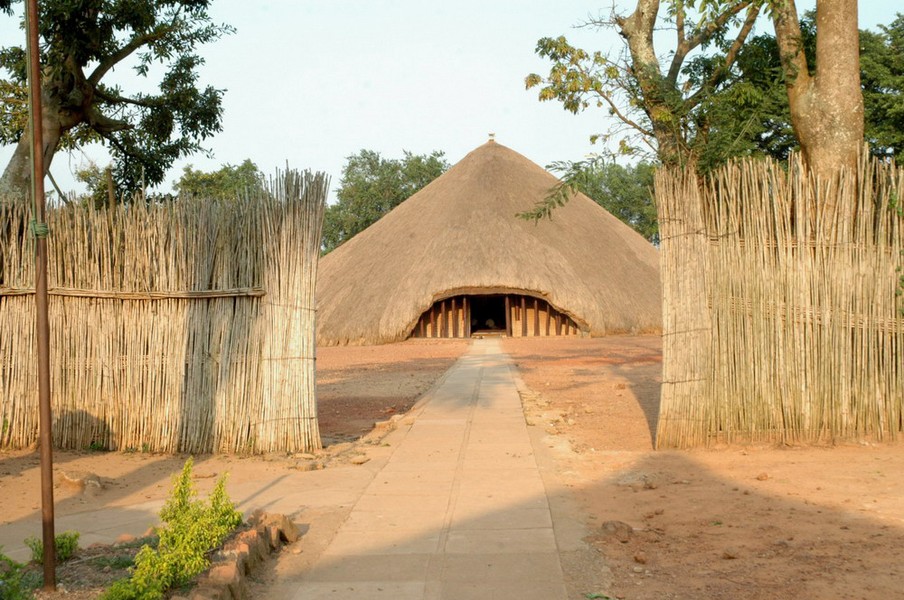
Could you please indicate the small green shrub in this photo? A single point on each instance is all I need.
(15, 582)
(191, 529)
(66, 544)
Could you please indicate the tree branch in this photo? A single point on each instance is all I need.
(706, 33)
(621, 116)
(103, 124)
(681, 48)
(720, 73)
(113, 99)
(679, 19)
(791, 48)
(134, 44)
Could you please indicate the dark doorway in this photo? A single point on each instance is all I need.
(487, 313)
(481, 315)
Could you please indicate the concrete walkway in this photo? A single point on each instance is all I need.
(452, 505)
(459, 510)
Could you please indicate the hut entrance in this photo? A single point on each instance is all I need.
(479, 315)
(488, 315)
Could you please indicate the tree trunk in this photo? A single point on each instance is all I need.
(16, 178)
(826, 108)
(637, 29)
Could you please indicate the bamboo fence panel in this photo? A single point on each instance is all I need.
(790, 285)
(162, 323)
(687, 335)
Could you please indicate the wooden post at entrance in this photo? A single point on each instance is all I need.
(523, 316)
(508, 315)
(536, 317)
(466, 315)
(454, 319)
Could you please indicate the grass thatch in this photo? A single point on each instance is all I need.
(781, 319)
(185, 326)
(461, 233)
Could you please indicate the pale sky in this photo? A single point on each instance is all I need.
(314, 81)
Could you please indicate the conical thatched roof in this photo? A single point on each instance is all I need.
(460, 235)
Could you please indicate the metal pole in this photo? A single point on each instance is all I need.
(42, 322)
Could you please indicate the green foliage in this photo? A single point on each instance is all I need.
(710, 113)
(114, 562)
(14, 581)
(191, 529)
(882, 79)
(582, 80)
(230, 181)
(371, 186)
(749, 115)
(99, 182)
(82, 41)
(900, 291)
(625, 191)
(658, 106)
(66, 545)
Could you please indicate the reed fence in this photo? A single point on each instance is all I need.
(782, 320)
(185, 326)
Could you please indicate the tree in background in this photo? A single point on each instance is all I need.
(82, 41)
(230, 181)
(101, 189)
(882, 80)
(371, 186)
(749, 115)
(624, 191)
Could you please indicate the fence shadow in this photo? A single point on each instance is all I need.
(615, 373)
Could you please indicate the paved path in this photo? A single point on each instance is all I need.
(451, 506)
(459, 511)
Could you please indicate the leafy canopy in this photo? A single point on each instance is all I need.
(660, 108)
(82, 42)
(371, 186)
(721, 95)
(230, 181)
(731, 102)
(882, 79)
(625, 191)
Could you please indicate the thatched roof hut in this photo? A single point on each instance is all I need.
(454, 260)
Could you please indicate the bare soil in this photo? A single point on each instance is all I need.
(359, 385)
(752, 522)
(739, 522)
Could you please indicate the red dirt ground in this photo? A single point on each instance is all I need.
(741, 522)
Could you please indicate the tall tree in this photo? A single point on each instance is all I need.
(371, 186)
(826, 106)
(658, 103)
(82, 41)
(751, 116)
